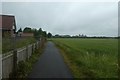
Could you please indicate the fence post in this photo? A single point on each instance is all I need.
(32, 48)
(14, 63)
(14, 57)
(27, 54)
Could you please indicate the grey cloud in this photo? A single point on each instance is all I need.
(66, 18)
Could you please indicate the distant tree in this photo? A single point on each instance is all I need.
(20, 30)
(44, 34)
(79, 35)
(27, 29)
(40, 30)
(35, 32)
(57, 35)
(49, 35)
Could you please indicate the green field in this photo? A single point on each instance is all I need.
(91, 58)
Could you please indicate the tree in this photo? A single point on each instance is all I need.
(49, 35)
(40, 31)
(44, 34)
(57, 35)
(20, 30)
(35, 32)
(27, 29)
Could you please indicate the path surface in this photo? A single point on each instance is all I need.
(50, 64)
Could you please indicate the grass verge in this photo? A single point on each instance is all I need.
(73, 67)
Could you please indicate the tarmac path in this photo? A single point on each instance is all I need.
(50, 64)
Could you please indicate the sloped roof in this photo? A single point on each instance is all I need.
(7, 22)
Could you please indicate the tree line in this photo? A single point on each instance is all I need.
(37, 33)
(40, 33)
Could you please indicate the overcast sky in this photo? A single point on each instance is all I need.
(90, 18)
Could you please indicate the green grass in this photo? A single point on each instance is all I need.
(91, 58)
(8, 44)
(24, 68)
(0, 47)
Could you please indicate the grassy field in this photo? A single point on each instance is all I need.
(91, 58)
(8, 43)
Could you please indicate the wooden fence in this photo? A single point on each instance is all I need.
(22, 54)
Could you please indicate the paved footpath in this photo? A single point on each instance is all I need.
(50, 64)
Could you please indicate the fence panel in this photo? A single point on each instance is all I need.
(22, 54)
(37, 45)
(7, 65)
(33, 47)
(29, 50)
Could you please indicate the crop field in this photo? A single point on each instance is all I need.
(91, 58)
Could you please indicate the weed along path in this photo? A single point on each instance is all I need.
(50, 64)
